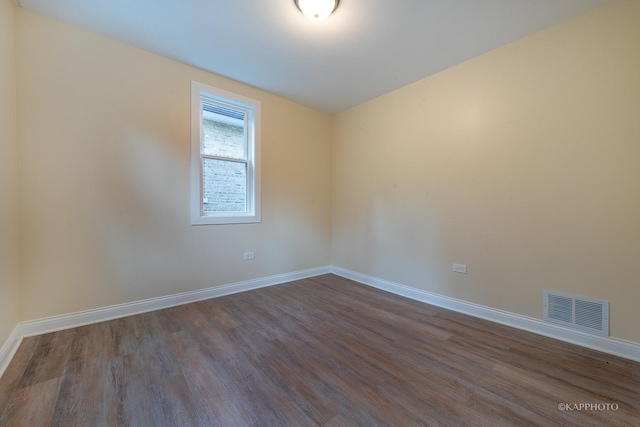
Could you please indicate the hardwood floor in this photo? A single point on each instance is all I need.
(323, 351)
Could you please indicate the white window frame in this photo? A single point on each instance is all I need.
(200, 93)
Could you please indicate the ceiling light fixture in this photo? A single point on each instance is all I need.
(317, 10)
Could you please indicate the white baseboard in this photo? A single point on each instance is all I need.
(617, 347)
(9, 349)
(82, 318)
(613, 346)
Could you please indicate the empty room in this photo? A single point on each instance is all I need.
(319, 213)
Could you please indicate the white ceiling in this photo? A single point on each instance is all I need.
(365, 49)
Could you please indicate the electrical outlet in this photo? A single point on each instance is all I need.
(460, 268)
(249, 255)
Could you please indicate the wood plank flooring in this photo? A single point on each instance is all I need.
(317, 352)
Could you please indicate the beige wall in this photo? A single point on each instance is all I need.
(104, 178)
(523, 163)
(8, 175)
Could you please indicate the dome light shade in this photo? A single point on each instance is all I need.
(317, 10)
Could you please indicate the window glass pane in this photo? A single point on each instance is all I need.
(223, 132)
(224, 186)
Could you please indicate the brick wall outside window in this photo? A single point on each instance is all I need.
(224, 186)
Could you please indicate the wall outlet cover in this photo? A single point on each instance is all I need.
(460, 268)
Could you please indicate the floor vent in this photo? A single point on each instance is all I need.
(585, 314)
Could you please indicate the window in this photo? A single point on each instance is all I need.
(225, 157)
